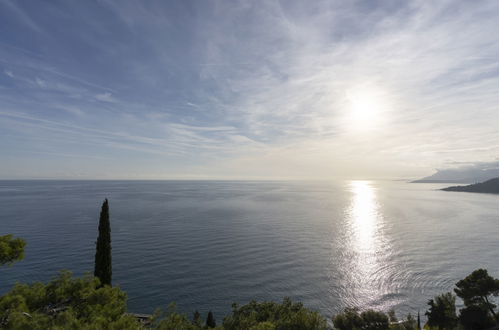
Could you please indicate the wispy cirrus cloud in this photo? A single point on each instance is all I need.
(260, 89)
(106, 97)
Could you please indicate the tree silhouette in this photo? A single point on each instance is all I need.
(476, 289)
(196, 319)
(103, 266)
(442, 312)
(210, 320)
(11, 249)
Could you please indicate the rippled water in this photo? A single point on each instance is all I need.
(206, 244)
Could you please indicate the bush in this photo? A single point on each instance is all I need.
(65, 302)
(369, 320)
(271, 315)
(11, 249)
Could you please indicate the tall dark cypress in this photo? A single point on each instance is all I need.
(210, 320)
(103, 266)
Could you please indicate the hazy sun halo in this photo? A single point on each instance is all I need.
(365, 108)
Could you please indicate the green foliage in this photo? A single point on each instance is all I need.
(64, 303)
(476, 287)
(351, 319)
(264, 326)
(476, 291)
(409, 323)
(103, 262)
(442, 311)
(11, 249)
(172, 320)
(196, 319)
(475, 318)
(375, 320)
(271, 315)
(392, 317)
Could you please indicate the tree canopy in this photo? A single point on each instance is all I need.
(352, 319)
(477, 289)
(442, 311)
(272, 315)
(11, 249)
(63, 303)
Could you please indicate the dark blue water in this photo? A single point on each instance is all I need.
(206, 244)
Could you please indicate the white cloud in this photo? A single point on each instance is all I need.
(267, 88)
(422, 59)
(106, 97)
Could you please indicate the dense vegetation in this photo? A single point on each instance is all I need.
(11, 249)
(271, 315)
(65, 303)
(351, 318)
(83, 303)
(91, 302)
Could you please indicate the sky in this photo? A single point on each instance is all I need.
(246, 89)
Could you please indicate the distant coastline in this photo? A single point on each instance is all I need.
(466, 174)
(488, 187)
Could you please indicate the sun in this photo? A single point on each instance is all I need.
(365, 108)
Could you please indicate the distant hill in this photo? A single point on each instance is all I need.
(467, 174)
(490, 187)
(426, 180)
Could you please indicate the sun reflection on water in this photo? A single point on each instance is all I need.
(364, 215)
(365, 222)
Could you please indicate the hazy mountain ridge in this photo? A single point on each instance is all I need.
(478, 172)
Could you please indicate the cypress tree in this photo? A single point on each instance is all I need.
(103, 266)
(210, 320)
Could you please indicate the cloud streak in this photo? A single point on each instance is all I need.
(263, 89)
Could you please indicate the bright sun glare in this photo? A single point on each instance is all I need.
(365, 108)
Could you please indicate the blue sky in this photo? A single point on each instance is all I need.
(246, 89)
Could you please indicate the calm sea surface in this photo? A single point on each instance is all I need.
(206, 244)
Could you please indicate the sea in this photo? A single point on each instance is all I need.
(207, 244)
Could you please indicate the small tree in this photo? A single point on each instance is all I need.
(11, 249)
(374, 320)
(196, 319)
(392, 317)
(476, 291)
(442, 312)
(368, 320)
(210, 320)
(349, 319)
(103, 265)
(172, 320)
(410, 323)
(273, 315)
